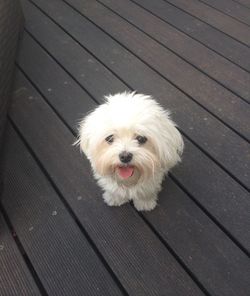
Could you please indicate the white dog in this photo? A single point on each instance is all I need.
(131, 143)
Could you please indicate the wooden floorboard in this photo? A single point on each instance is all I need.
(230, 8)
(49, 235)
(207, 61)
(245, 3)
(194, 58)
(15, 277)
(109, 231)
(216, 19)
(200, 31)
(118, 233)
(190, 116)
(75, 99)
(84, 68)
(213, 97)
(164, 228)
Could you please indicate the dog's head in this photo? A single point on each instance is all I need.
(129, 138)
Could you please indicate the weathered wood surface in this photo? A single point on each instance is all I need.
(195, 60)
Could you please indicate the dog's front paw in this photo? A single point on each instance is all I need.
(145, 205)
(114, 201)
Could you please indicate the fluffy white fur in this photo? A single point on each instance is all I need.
(126, 116)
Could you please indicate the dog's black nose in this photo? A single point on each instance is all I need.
(125, 157)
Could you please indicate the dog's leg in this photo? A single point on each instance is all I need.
(114, 199)
(146, 195)
(145, 203)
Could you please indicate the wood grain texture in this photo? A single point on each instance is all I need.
(200, 31)
(61, 255)
(223, 198)
(204, 248)
(15, 277)
(119, 233)
(204, 90)
(245, 3)
(216, 19)
(215, 138)
(195, 242)
(206, 60)
(200, 227)
(83, 61)
(231, 8)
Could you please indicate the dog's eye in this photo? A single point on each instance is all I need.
(110, 139)
(141, 139)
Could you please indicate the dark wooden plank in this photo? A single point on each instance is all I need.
(209, 254)
(62, 257)
(85, 68)
(224, 198)
(140, 261)
(69, 92)
(204, 90)
(200, 31)
(231, 8)
(216, 192)
(245, 3)
(216, 19)
(210, 134)
(186, 215)
(15, 277)
(206, 60)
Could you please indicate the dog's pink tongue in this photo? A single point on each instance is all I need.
(125, 172)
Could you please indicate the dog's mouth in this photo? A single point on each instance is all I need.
(125, 172)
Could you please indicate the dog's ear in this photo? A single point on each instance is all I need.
(84, 136)
(88, 128)
(170, 142)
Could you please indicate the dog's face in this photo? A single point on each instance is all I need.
(126, 154)
(130, 138)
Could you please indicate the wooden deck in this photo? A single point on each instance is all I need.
(57, 236)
